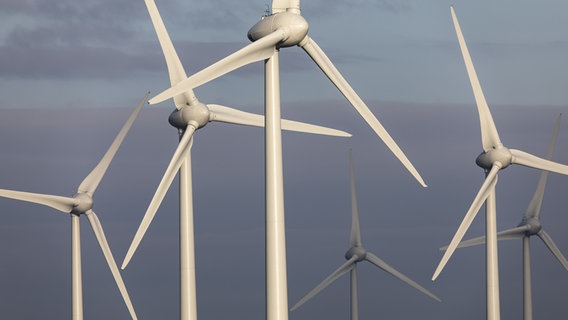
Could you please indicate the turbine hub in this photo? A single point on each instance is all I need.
(83, 202)
(534, 226)
(488, 158)
(294, 26)
(358, 252)
(195, 115)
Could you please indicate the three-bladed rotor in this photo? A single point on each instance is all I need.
(495, 155)
(285, 27)
(191, 115)
(357, 253)
(81, 204)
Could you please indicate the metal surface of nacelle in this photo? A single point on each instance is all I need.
(501, 155)
(358, 252)
(294, 26)
(196, 115)
(533, 224)
(83, 202)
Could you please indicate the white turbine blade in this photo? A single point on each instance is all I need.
(101, 238)
(344, 268)
(63, 204)
(290, 125)
(283, 5)
(234, 116)
(528, 160)
(534, 208)
(259, 50)
(392, 271)
(510, 234)
(91, 182)
(175, 68)
(489, 135)
(355, 234)
(553, 248)
(486, 188)
(323, 62)
(179, 156)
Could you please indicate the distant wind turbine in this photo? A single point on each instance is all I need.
(189, 116)
(529, 226)
(356, 254)
(495, 157)
(284, 27)
(81, 204)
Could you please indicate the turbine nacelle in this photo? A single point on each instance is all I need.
(358, 252)
(500, 155)
(196, 115)
(533, 226)
(83, 203)
(294, 27)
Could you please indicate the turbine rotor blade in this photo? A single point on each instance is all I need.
(489, 135)
(234, 116)
(553, 248)
(259, 50)
(355, 234)
(528, 160)
(510, 234)
(486, 188)
(63, 204)
(91, 182)
(323, 62)
(534, 208)
(175, 67)
(179, 156)
(101, 238)
(344, 268)
(392, 271)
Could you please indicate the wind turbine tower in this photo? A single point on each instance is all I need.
(284, 27)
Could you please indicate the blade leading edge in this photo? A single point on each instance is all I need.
(259, 50)
(182, 151)
(323, 62)
(175, 67)
(91, 182)
(392, 271)
(344, 268)
(355, 234)
(234, 116)
(486, 188)
(101, 238)
(63, 204)
(489, 135)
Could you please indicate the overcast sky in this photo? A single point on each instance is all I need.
(71, 72)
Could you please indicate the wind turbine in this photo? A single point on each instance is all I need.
(357, 253)
(495, 157)
(529, 226)
(284, 27)
(191, 115)
(81, 204)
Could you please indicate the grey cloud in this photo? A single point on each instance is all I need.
(322, 7)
